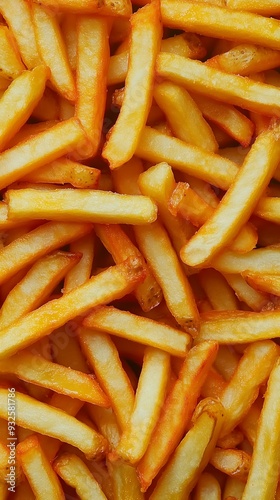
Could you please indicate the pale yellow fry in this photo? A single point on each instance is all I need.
(234, 487)
(149, 399)
(45, 274)
(262, 260)
(184, 116)
(38, 470)
(265, 7)
(18, 16)
(144, 46)
(232, 89)
(242, 390)
(10, 61)
(255, 299)
(182, 473)
(81, 205)
(239, 326)
(239, 201)
(40, 149)
(19, 100)
(122, 8)
(103, 356)
(29, 247)
(138, 329)
(34, 368)
(221, 22)
(93, 54)
(52, 51)
(208, 487)
(263, 474)
(74, 472)
(156, 147)
(45, 419)
(113, 283)
(81, 272)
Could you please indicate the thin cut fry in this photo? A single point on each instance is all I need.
(81, 272)
(144, 47)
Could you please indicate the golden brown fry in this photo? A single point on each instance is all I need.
(81, 272)
(123, 8)
(10, 61)
(269, 283)
(265, 7)
(255, 299)
(219, 293)
(263, 260)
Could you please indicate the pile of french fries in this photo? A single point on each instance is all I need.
(140, 249)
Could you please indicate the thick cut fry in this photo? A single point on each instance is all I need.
(103, 356)
(181, 474)
(52, 51)
(36, 369)
(226, 116)
(92, 65)
(261, 260)
(184, 116)
(125, 481)
(19, 100)
(219, 293)
(268, 209)
(176, 412)
(239, 327)
(142, 330)
(39, 150)
(232, 89)
(265, 7)
(116, 241)
(74, 472)
(122, 8)
(106, 423)
(149, 399)
(215, 21)
(28, 247)
(269, 283)
(81, 272)
(144, 47)
(207, 487)
(10, 62)
(233, 488)
(156, 147)
(238, 203)
(36, 286)
(18, 17)
(156, 247)
(246, 293)
(47, 420)
(80, 205)
(232, 462)
(113, 283)
(263, 474)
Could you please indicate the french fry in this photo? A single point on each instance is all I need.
(219, 293)
(216, 21)
(23, 490)
(25, 249)
(38, 470)
(75, 473)
(52, 51)
(207, 487)
(88, 205)
(239, 327)
(156, 147)
(90, 7)
(117, 242)
(92, 63)
(50, 421)
(176, 412)
(250, 182)
(264, 260)
(231, 440)
(36, 286)
(69, 34)
(36, 369)
(103, 356)
(18, 16)
(138, 329)
(66, 350)
(266, 7)
(249, 424)
(82, 270)
(39, 150)
(184, 116)
(125, 482)
(180, 475)
(265, 464)
(144, 47)
(233, 462)
(149, 399)
(28, 130)
(122, 278)
(255, 299)
(226, 361)
(11, 64)
(233, 488)
(267, 208)
(106, 423)
(185, 44)
(233, 89)
(266, 283)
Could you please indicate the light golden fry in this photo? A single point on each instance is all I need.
(181, 474)
(81, 272)
(265, 7)
(219, 293)
(262, 260)
(47, 420)
(93, 53)
(176, 412)
(139, 329)
(207, 487)
(268, 209)
(144, 46)
(69, 34)
(255, 299)
(233, 488)
(52, 51)
(125, 481)
(74, 472)
(233, 462)
(113, 283)
(269, 283)
(123, 8)
(106, 423)
(10, 61)
(263, 474)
